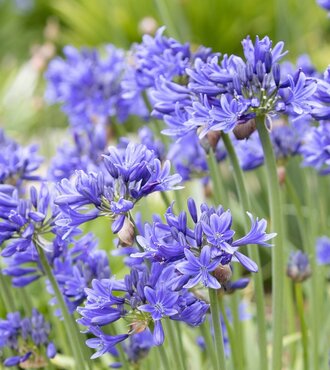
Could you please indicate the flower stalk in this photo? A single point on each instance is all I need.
(278, 264)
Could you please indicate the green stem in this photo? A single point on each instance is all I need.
(176, 343)
(6, 294)
(210, 352)
(77, 347)
(235, 350)
(164, 359)
(303, 327)
(252, 252)
(218, 337)
(278, 263)
(218, 189)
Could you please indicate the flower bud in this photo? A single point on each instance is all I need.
(210, 140)
(223, 273)
(298, 268)
(126, 233)
(244, 130)
(281, 172)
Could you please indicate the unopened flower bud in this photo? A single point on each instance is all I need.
(126, 233)
(210, 140)
(298, 268)
(244, 130)
(223, 273)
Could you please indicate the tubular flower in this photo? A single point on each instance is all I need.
(130, 174)
(197, 251)
(143, 298)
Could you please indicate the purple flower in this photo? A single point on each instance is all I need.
(87, 85)
(27, 338)
(130, 173)
(160, 303)
(316, 148)
(198, 269)
(17, 163)
(323, 250)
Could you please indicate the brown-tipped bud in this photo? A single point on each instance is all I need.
(223, 273)
(244, 130)
(281, 174)
(208, 191)
(213, 138)
(210, 140)
(126, 233)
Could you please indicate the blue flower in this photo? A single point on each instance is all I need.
(198, 269)
(160, 304)
(27, 338)
(87, 85)
(17, 163)
(316, 148)
(323, 250)
(131, 173)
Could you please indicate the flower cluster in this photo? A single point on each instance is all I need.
(223, 95)
(28, 338)
(146, 297)
(88, 86)
(200, 250)
(130, 174)
(24, 221)
(17, 163)
(315, 150)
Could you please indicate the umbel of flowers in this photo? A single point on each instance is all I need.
(182, 258)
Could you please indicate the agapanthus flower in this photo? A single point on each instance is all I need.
(88, 85)
(323, 250)
(231, 91)
(198, 250)
(17, 163)
(316, 148)
(130, 174)
(85, 153)
(144, 298)
(28, 339)
(24, 221)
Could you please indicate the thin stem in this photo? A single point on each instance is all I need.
(69, 323)
(278, 263)
(206, 333)
(6, 294)
(252, 252)
(235, 351)
(164, 359)
(218, 189)
(176, 343)
(218, 336)
(303, 327)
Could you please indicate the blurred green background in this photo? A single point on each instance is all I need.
(34, 31)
